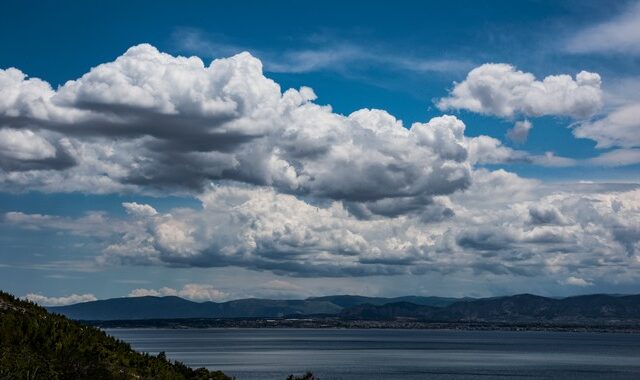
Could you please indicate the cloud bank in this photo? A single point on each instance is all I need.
(502, 226)
(149, 121)
(286, 185)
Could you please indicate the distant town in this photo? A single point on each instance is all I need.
(338, 323)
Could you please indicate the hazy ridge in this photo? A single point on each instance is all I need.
(516, 308)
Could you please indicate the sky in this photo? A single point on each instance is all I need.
(294, 149)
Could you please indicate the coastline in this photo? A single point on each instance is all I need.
(327, 323)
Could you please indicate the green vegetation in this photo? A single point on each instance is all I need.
(306, 376)
(35, 344)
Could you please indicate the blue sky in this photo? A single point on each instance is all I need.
(65, 178)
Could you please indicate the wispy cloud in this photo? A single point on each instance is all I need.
(83, 266)
(618, 35)
(62, 277)
(130, 281)
(616, 158)
(325, 55)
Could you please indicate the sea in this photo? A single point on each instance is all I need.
(373, 354)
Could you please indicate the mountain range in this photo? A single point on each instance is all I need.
(517, 308)
(169, 307)
(521, 308)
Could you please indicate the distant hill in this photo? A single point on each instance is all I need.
(346, 301)
(35, 344)
(521, 308)
(388, 311)
(518, 308)
(171, 307)
(527, 307)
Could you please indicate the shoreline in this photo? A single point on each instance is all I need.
(628, 328)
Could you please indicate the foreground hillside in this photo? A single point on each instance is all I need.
(35, 344)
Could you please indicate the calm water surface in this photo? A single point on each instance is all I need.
(255, 354)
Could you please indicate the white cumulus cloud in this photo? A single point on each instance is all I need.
(195, 292)
(24, 145)
(59, 301)
(520, 132)
(503, 225)
(138, 209)
(501, 90)
(149, 121)
(576, 281)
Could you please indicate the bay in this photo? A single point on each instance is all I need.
(373, 354)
